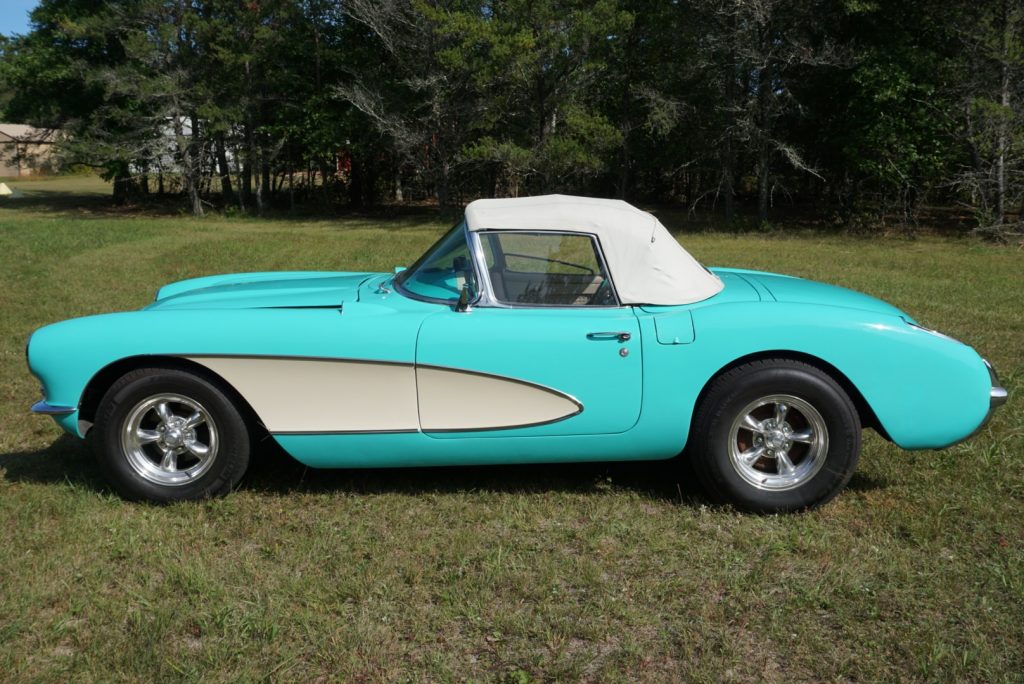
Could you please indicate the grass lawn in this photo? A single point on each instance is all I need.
(589, 572)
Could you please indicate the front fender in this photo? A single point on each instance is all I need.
(66, 356)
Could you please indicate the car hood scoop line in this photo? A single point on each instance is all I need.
(297, 290)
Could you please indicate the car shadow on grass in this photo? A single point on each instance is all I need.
(65, 461)
(274, 472)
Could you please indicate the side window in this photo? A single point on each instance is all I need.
(546, 269)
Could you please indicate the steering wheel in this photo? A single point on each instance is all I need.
(604, 294)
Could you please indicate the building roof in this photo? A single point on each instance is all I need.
(647, 264)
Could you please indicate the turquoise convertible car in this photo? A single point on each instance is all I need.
(537, 330)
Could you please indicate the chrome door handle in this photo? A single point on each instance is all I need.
(621, 336)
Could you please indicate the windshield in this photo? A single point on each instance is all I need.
(440, 274)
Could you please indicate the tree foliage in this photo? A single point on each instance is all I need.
(849, 106)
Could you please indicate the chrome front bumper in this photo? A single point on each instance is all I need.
(997, 395)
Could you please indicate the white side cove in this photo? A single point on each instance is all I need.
(452, 400)
(304, 395)
(318, 395)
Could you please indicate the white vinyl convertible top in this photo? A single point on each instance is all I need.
(647, 264)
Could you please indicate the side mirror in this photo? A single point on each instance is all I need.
(399, 269)
(465, 298)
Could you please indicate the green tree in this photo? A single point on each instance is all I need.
(989, 78)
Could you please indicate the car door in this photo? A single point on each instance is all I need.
(548, 352)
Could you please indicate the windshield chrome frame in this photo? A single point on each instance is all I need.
(409, 294)
(484, 297)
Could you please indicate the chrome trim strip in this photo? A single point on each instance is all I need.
(346, 359)
(297, 357)
(44, 409)
(495, 376)
(288, 433)
(426, 431)
(506, 427)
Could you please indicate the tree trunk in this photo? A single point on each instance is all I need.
(1004, 100)
(355, 182)
(250, 153)
(265, 180)
(763, 178)
(624, 163)
(728, 153)
(443, 189)
(225, 170)
(189, 175)
(291, 181)
(260, 198)
(122, 187)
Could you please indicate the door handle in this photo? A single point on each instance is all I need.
(621, 336)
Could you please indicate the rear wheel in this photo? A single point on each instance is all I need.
(166, 435)
(775, 436)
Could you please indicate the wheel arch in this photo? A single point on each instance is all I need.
(867, 415)
(104, 379)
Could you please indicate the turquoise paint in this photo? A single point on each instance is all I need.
(410, 450)
(194, 284)
(800, 291)
(548, 347)
(927, 391)
(259, 290)
(68, 423)
(66, 355)
(675, 327)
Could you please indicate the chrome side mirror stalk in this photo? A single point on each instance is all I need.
(464, 303)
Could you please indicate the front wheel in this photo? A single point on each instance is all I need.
(166, 435)
(775, 436)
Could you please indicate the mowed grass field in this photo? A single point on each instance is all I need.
(534, 573)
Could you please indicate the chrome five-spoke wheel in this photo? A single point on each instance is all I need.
(778, 442)
(775, 435)
(167, 434)
(169, 439)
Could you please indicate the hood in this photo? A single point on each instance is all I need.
(799, 291)
(282, 290)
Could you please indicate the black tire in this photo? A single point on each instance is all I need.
(722, 445)
(134, 470)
